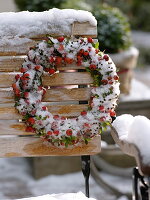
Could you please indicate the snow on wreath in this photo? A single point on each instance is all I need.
(45, 57)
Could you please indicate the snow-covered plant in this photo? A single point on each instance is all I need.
(113, 29)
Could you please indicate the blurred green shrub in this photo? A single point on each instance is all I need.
(141, 17)
(138, 12)
(113, 29)
(123, 5)
(38, 5)
(77, 4)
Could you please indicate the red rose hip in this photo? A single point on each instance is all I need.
(60, 39)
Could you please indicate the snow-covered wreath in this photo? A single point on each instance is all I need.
(45, 57)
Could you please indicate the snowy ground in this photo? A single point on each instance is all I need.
(141, 39)
(140, 86)
(17, 182)
(143, 92)
(143, 74)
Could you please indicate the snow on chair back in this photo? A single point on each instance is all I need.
(14, 140)
(131, 150)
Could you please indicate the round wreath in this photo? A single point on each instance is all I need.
(45, 57)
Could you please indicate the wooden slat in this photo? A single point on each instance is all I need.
(11, 63)
(6, 96)
(14, 63)
(9, 112)
(84, 29)
(30, 146)
(13, 127)
(52, 95)
(16, 50)
(78, 29)
(59, 79)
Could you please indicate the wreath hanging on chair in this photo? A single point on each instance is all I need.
(45, 57)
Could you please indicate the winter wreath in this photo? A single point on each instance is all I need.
(45, 57)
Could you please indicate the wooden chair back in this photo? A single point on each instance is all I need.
(14, 141)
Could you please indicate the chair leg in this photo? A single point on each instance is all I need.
(135, 184)
(138, 181)
(86, 172)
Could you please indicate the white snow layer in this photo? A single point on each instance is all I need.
(123, 198)
(139, 91)
(17, 24)
(135, 130)
(67, 196)
(17, 182)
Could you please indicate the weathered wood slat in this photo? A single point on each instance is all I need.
(14, 63)
(78, 29)
(11, 63)
(13, 127)
(7, 111)
(6, 96)
(17, 50)
(84, 29)
(31, 146)
(58, 79)
(52, 95)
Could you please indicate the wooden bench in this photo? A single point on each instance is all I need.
(14, 141)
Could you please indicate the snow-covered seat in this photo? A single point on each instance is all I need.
(132, 135)
(131, 150)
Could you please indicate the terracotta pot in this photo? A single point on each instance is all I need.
(125, 61)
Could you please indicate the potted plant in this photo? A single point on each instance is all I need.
(114, 37)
